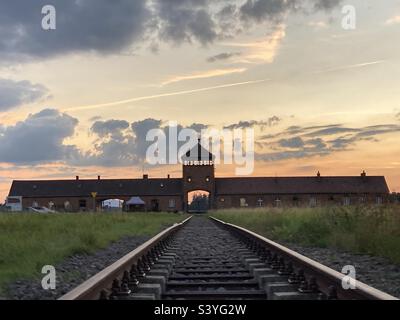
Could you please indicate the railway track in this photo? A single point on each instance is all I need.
(206, 259)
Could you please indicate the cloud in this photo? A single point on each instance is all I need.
(302, 142)
(198, 127)
(95, 118)
(372, 131)
(203, 75)
(393, 20)
(260, 10)
(109, 127)
(107, 27)
(91, 25)
(38, 139)
(16, 93)
(326, 4)
(292, 130)
(332, 130)
(272, 121)
(41, 139)
(318, 24)
(295, 142)
(317, 143)
(223, 56)
(121, 144)
(263, 50)
(186, 21)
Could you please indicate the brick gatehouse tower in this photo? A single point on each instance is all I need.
(198, 174)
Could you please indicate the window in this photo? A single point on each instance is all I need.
(346, 201)
(243, 202)
(67, 205)
(171, 203)
(82, 204)
(313, 202)
(260, 202)
(278, 202)
(13, 200)
(35, 204)
(379, 200)
(296, 200)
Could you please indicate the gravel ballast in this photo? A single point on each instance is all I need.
(74, 271)
(374, 271)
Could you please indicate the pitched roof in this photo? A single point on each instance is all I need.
(224, 186)
(301, 185)
(198, 153)
(104, 188)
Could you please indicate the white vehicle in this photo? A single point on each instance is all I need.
(14, 204)
(41, 210)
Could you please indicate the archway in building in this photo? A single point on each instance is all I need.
(112, 205)
(198, 201)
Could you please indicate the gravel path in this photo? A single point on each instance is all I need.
(73, 271)
(374, 271)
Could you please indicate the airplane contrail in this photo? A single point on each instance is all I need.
(162, 95)
(353, 66)
(178, 93)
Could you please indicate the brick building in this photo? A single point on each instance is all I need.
(173, 194)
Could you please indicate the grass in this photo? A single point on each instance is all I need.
(364, 230)
(30, 241)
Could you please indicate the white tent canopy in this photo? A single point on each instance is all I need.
(135, 201)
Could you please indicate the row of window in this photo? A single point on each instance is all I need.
(83, 204)
(243, 202)
(312, 201)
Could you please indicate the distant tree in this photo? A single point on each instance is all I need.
(199, 202)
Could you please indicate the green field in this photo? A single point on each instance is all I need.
(366, 230)
(30, 241)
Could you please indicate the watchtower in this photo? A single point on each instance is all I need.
(198, 173)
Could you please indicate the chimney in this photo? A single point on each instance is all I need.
(363, 174)
(77, 178)
(169, 176)
(145, 177)
(319, 174)
(98, 177)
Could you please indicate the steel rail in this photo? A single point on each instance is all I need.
(90, 289)
(324, 275)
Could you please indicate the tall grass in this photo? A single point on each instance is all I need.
(30, 241)
(368, 230)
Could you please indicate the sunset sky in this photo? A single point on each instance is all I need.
(79, 100)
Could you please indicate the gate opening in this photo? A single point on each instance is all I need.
(198, 201)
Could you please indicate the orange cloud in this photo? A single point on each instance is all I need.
(264, 50)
